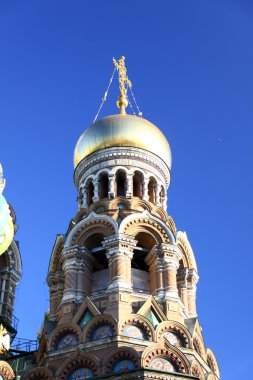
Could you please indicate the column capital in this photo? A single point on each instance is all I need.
(170, 253)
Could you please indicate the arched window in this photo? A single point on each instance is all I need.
(141, 275)
(137, 185)
(90, 192)
(100, 271)
(103, 186)
(151, 190)
(120, 183)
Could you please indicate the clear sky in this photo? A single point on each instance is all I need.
(191, 66)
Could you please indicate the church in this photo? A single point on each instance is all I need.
(122, 279)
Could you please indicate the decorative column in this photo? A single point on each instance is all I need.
(111, 193)
(84, 203)
(158, 189)
(96, 190)
(156, 272)
(164, 201)
(119, 252)
(191, 291)
(182, 283)
(129, 189)
(145, 196)
(84, 275)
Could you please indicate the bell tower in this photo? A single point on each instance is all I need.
(122, 279)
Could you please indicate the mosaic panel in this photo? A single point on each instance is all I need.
(67, 341)
(123, 365)
(133, 331)
(102, 332)
(81, 374)
(172, 338)
(162, 365)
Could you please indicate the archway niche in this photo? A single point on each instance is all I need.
(151, 190)
(120, 183)
(90, 192)
(140, 270)
(137, 184)
(103, 185)
(100, 271)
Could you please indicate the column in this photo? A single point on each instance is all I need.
(145, 196)
(157, 194)
(119, 252)
(111, 193)
(96, 190)
(191, 292)
(170, 255)
(70, 274)
(183, 292)
(129, 189)
(84, 203)
(156, 272)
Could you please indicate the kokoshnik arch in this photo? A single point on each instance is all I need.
(122, 279)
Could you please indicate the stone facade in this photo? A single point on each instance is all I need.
(122, 281)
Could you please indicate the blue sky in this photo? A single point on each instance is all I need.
(191, 67)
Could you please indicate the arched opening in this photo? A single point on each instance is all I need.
(137, 185)
(103, 185)
(90, 192)
(141, 274)
(100, 272)
(151, 190)
(120, 183)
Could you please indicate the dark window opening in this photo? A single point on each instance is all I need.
(120, 183)
(137, 185)
(151, 190)
(90, 194)
(103, 186)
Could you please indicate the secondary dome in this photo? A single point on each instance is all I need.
(122, 130)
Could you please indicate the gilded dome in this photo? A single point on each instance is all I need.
(122, 130)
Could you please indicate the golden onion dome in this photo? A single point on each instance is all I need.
(126, 131)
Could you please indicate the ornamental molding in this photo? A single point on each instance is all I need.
(118, 354)
(139, 321)
(175, 327)
(165, 350)
(39, 373)
(121, 156)
(130, 223)
(60, 331)
(75, 361)
(92, 220)
(97, 321)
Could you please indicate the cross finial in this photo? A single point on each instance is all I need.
(124, 83)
